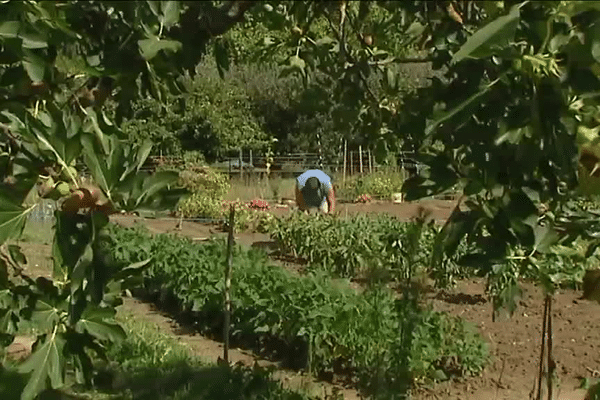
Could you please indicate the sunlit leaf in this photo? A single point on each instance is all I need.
(491, 38)
(12, 218)
(9, 29)
(149, 48)
(170, 13)
(95, 163)
(35, 67)
(46, 363)
(45, 315)
(545, 237)
(100, 323)
(92, 119)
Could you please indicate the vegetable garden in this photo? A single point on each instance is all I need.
(509, 115)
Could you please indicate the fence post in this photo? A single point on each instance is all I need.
(345, 155)
(351, 163)
(370, 161)
(241, 169)
(360, 159)
(251, 175)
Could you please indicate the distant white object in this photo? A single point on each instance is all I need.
(397, 197)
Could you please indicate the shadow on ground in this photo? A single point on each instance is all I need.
(461, 298)
(181, 381)
(186, 382)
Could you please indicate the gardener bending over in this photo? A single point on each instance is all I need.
(314, 190)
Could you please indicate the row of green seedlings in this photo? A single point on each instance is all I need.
(364, 245)
(320, 324)
(359, 246)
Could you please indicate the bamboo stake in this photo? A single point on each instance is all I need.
(345, 155)
(241, 169)
(360, 159)
(227, 292)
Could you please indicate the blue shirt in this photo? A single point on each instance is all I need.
(317, 173)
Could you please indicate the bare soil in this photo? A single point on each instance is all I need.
(514, 343)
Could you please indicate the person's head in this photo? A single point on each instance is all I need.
(313, 191)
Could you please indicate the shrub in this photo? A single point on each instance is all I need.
(253, 216)
(380, 185)
(207, 188)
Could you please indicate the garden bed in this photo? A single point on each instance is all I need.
(324, 326)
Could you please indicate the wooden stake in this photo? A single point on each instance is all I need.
(241, 169)
(345, 155)
(227, 292)
(250, 176)
(551, 364)
(360, 159)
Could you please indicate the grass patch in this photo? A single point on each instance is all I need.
(150, 364)
(253, 187)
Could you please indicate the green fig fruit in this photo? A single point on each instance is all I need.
(68, 173)
(63, 188)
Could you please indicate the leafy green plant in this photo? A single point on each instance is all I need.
(360, 245)
(379, 185)
(332, 327)
(206, 186)
(73, 313)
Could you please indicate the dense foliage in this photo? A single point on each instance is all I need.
(379, 185)
(361, 245)
(375, 246)
(330, 326)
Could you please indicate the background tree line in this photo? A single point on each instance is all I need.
(259, 99)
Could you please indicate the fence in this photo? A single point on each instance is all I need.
(291, 165)
(250, 168)
(43, 211)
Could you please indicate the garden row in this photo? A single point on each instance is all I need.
(363, 246)
(322, 324)
(376, 246)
